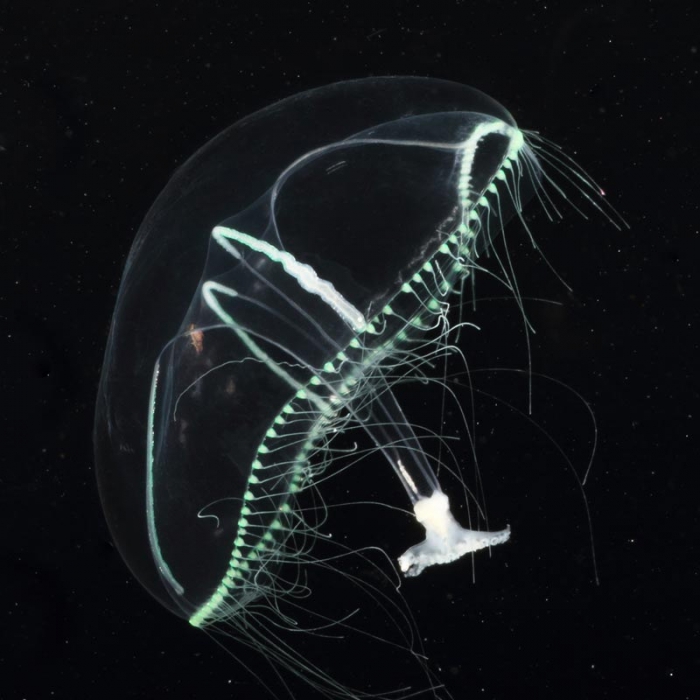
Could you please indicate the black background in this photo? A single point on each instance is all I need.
(99, 102)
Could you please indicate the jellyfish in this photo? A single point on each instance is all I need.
(293, 272)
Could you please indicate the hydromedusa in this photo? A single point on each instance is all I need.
(293, 272)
